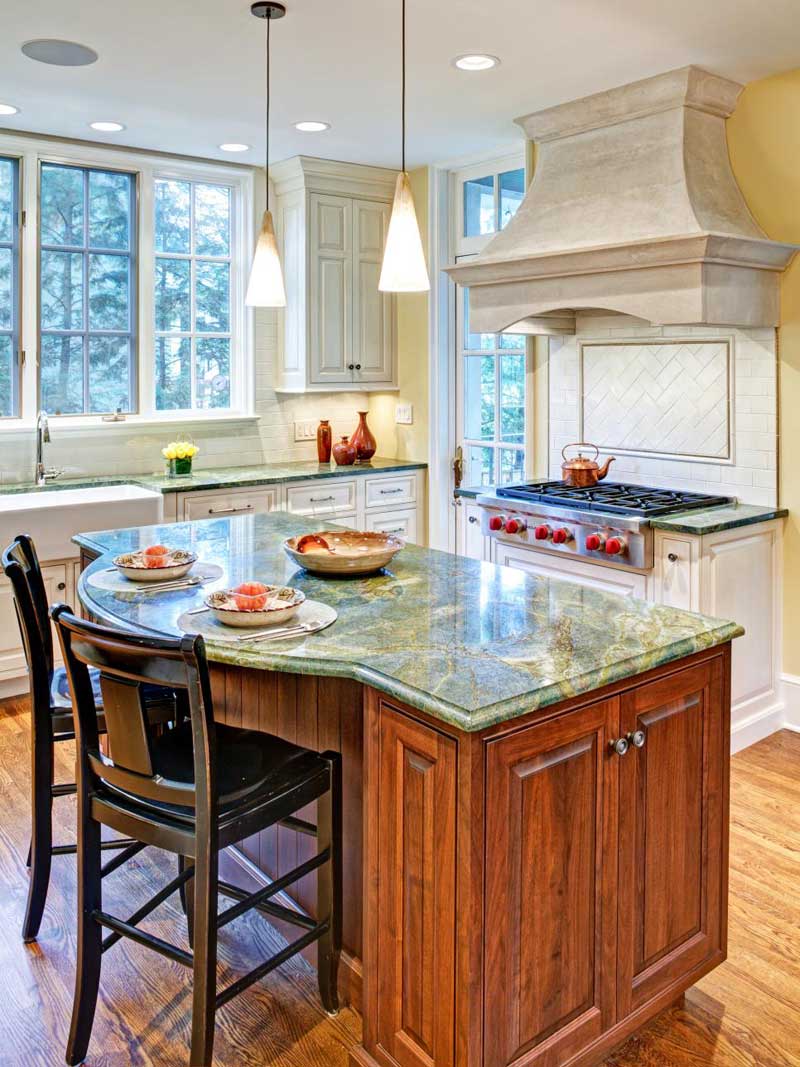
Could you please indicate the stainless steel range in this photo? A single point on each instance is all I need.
(607, 523)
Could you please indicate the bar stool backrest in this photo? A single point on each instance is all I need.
(128, 663)
(21, 565)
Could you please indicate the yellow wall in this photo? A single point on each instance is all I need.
(764, 145)
(408, 442)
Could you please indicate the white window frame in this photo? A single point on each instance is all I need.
(31, 151)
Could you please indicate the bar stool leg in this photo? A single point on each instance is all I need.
(186, 892)
(41, 850)
(205, 953)
(329, 887)
(90, 935)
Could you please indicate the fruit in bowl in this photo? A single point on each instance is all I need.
(255, 604)
(155, 563)
(343, 552)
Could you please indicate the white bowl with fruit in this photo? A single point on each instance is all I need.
(255, 604)
(156, 563)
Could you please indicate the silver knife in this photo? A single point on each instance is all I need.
(282, 631)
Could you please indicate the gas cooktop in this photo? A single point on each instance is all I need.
(614, 498)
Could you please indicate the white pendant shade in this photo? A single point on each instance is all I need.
(265, 288)
(403, 269)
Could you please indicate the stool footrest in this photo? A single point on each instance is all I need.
(291, 822)
(258, 899)
(63, 789)
(264, 969)
(123, 929)
(127, 852)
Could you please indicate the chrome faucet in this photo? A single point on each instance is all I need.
(43, 474)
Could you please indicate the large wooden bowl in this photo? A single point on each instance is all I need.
(348, 552)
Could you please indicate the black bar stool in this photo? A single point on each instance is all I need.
(51, 722)
(191, 791)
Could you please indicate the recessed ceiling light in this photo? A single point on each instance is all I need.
(234, 146)
(476, 61)
(8, 109)
(312, 126)
(107, 127)
(59, 53)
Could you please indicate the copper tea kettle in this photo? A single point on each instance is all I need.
(582, 472)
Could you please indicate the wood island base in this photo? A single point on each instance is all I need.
(525, 895)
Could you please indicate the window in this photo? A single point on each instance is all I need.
(192, 291)
(87, 290)
(9, 287)
(491, 367)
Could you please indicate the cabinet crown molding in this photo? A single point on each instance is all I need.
(332, 176)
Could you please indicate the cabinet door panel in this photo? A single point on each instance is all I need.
(331, 282)
(416, 892)
(550, 917)
(373, 311)
(671, 812)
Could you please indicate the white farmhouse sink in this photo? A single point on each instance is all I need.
(53, 516)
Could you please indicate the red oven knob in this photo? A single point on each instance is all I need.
(516, 525)
(594, 542)
(561, 536)
(615, 546)
(496, 522)
(542, 533)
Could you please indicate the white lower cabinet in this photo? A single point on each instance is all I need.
(59, 584)
(224, 503)
(402, 523)
(551, 565)
(471, 541)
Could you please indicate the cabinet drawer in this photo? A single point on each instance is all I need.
(321, 498)
(676, 573)
(209, 505)
(386, 492)
(402, 523)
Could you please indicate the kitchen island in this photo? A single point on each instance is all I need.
(535, 789)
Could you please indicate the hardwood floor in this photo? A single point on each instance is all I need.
(744, 1014)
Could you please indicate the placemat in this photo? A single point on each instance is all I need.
(310, 611)
(112, 580)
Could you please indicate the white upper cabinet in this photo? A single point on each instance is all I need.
(338, 330)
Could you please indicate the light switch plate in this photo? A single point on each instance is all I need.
(404, 414)
(305, 430)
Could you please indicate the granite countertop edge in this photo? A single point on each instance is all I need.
(222, 477)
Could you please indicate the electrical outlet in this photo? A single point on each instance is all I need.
(404, 414)
(305, 430)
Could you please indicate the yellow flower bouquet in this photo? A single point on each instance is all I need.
(179, 456)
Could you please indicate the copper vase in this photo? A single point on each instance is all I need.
(344, 452)
(324, 441)
(363, 439)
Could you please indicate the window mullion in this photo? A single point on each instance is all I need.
(86, 291)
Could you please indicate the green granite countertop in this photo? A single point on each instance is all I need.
(468, 642)
(222, 477)
(713, 520)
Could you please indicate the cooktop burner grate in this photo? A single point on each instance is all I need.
(613, 497)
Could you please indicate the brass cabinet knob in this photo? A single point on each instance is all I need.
(672, 557)
(620, 746)
(61, 586)
(637, 738)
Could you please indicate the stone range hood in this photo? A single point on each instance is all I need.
(633, 209)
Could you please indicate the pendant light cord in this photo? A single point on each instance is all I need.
(266, 168)
(403, 89)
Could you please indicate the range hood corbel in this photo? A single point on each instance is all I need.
(633, 209)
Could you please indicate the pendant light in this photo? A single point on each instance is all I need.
(403, 269)
(265, 288)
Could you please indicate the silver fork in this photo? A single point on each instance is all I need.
(275, 632)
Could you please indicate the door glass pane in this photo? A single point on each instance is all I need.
(212, 208)
(173, 373)
(61, 296)
(173, 294)
(173, 216)
(61, 205)
(513, 341)
(212, 297)
(479, 397)
(109, 288)
(512, 398)
(213, 373)
(7, 371)
(479, 206)
(479, 469)
(110, 374)
(512, 465)
(62, 374)
(109, 209)
(6, 200)
(512, 190)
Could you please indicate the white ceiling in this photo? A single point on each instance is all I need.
(184, 77)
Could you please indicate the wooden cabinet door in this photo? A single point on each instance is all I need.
(550, 942)
(413, 807)
(373, 311)
(330, 289)
(672, 804)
